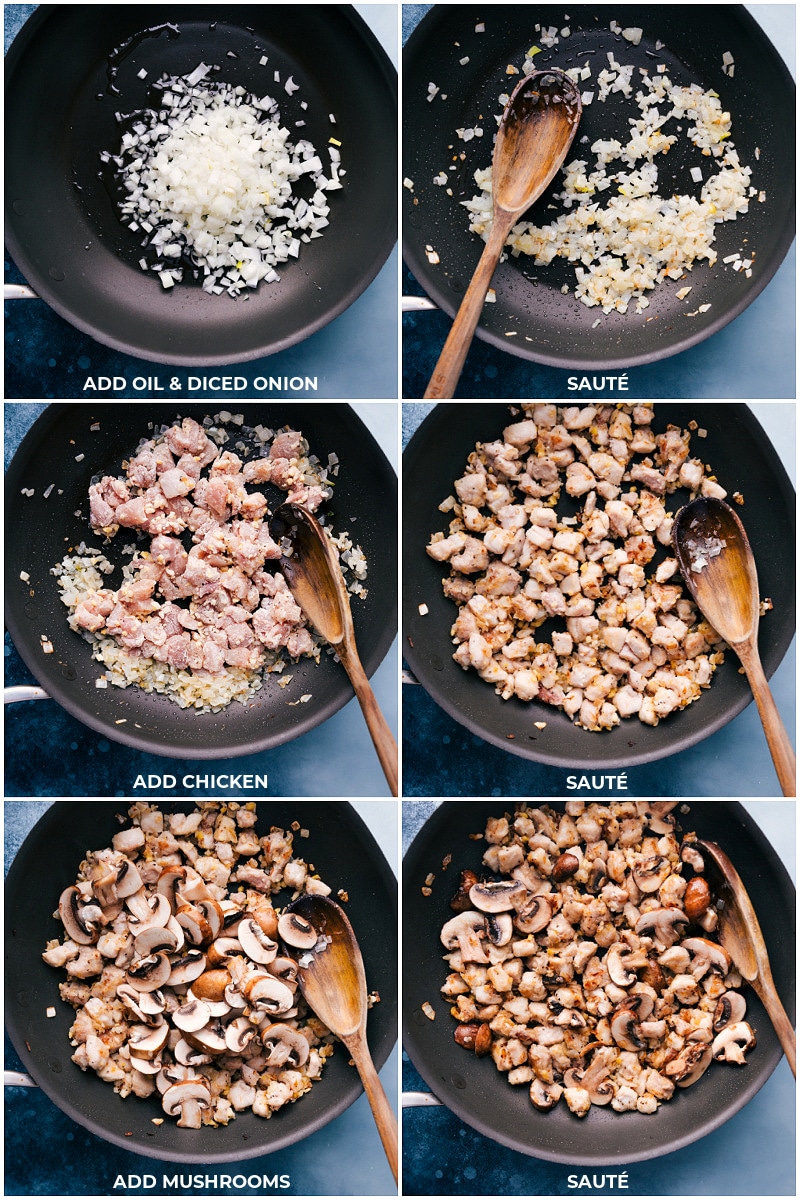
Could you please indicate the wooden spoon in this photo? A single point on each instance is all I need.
(740, 934)
(536, 131)
(331, 977)
(315, 580)
(720, 571)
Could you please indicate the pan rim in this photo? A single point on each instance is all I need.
(435, 285)
(262, 344)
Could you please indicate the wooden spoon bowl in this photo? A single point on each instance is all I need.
(717, 563)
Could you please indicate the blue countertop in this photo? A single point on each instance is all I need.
(442, 758)
(751, 358)
(48, 1154)
(753, 1154)
(355, 357)
(50, 753)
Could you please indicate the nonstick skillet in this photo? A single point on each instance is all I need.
(344, 853)
(743, 459)
(473, 1088)
(531, 317)
(40, 530)
(61, 225)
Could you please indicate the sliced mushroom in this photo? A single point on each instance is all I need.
(706, 956)
(147, 1006)
(284, 1046)
(78, 920)
(154, 912)
(690, 1064)
(221, 950)
(296, 931)
(598, 877)
(284, 968)
(265, 992)
(146, 1041)
(256, 944)
(545, 1096)
(535, 914)
(105, 889)
(499, 896)
(190, 1099)
(664, 925)
(149, 973)
(172, 1073)
(190, 1056)
(168, 880)
(624, 1030)
(187, 968)
(155, 938)
(210, 1038)
(213, 914)
(238, 1034)
(731, 1007)
(616, 964)
(595, 1079)
(657, 814)
(464, 933)
(191, 1016)
(730, 1045)
(499, 928)
(649, 873)
(129, 880)
(195, 925)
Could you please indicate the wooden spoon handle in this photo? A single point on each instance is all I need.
(780, 747)
(768, 995)
(448, 369)
(382, 1111)
(381, 734)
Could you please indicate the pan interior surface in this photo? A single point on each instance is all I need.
(62, 225)
(364, 504)
(535, 315)
(742, 458)
(481, 1096)
(344, 853)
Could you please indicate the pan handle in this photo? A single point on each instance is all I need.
(18, 291)
(17, 1079)
(419, 1100)
(27, 691)
(418, 304)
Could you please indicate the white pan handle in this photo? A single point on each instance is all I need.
(17, 1079)
(26, 691)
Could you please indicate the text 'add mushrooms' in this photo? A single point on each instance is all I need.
(583, 964)
(175, 969)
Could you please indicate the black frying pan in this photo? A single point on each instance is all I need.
(543, 324)
(345, 855)
(39, 531)
(61, 225)
(742, 458)
(481, 1096)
